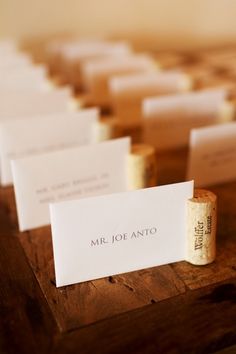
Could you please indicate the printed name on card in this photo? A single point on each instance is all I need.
(23, 137)
(168, 120)
(67, 174)
(118, 233)
(212, 154)
(8, 46)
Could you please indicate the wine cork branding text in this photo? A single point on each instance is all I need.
(200, 231)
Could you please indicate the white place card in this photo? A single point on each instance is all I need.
(157, 83)
(118, 233)
(7, 45)
(67, 174)
(11, 60)
(15, 104)
(97, 72)
(128, 91)
(105, 67)
(23, 137)
(85, 50)
(212, 155)
(168, 120)
(27, 78)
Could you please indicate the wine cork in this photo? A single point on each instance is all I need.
(106, 128)
(83, 100)
(74, 104)
(186, 83)
(226, 112)
(201, 227)
(142, 167)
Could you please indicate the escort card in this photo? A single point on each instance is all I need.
(15, 104)
(97, 72)
(118, 233)
(7, 46)
(74, 55)
(127, 92)
(11, 60)
(28, 78)
(212, 155)
(84, 50)
(168, 120)
(67, 174)
(23, 137)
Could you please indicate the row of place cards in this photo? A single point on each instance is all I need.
(63, 178)
(94, 226)
(60, 169)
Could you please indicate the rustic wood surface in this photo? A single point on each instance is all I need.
(25, 317)
(178, 308)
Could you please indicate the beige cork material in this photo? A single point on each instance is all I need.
(201, 227)
(142, 167)
(226, 112)
(106, 128)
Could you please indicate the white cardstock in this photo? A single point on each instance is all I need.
(15, 104)
(212, 154)
(67, 174)
(86, 50)
(106, 67)
(139, 85)
(118, 233)
(128, 91)
(23, 137)
(28, 78)
(10, 60)
(168, 120)
(97, 72)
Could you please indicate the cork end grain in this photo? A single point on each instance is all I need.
(142, 167)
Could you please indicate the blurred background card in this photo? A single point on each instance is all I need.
(67, 174)
(212, 155)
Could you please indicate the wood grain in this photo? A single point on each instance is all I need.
(81, 304)
(78, 305)
(8, 205)
(24, 313)
(197, 322)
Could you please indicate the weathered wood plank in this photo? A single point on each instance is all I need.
(78, 305)
(81, 304)
(199, 321)
(171, 166)
(8, 205)
(26, 322)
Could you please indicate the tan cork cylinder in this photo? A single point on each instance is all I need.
(226, 112)
(111, 128)
(142, 167)
(106, 128)
(201, 227)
